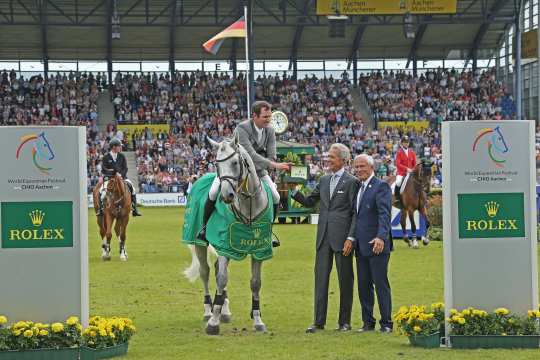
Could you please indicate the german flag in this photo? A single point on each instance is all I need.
(236, 30)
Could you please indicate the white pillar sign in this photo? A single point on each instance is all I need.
(489, 198)
(43, 224)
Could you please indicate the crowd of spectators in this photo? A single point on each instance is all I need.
(197, 105)
(437, 96)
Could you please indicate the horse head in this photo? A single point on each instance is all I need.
(232, 167)
(498, 142)
(422, 174)
(43, 148)
(115, 187)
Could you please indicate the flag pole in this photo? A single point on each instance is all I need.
(247, 65)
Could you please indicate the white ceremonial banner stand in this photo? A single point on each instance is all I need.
(43, 224)
(489, 217)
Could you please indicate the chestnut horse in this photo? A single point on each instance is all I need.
(116, 208)
(414, 197)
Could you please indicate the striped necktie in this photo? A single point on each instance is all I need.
(333, 182)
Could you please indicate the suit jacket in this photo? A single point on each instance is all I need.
(261, 152)
(109, 167)
(374, 217)
(336, 215)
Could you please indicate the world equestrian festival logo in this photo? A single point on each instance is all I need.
(41, 150)
(496, 144)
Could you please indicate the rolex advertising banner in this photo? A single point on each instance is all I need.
(43, 224)
(489, 218)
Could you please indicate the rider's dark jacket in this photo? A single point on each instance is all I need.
(109, 167)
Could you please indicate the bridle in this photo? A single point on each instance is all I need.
(242, 181)
(117, 183)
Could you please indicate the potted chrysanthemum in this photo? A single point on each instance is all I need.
(420, 326)
(106, 337)
(28, 340)
(472, 328)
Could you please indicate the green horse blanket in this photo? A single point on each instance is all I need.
(229, 236)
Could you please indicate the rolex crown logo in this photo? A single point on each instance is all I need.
(492, 208)
(37, 217)
(257, 233)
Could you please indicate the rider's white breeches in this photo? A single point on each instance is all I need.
(214, 189)
(399, 180)
(131, 185)
(103, 190)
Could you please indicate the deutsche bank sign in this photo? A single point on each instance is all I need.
(489, 217)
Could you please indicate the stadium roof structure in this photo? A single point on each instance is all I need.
(156, 30)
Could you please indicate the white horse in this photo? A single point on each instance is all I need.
(241, 187)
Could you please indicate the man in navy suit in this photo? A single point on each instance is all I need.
(373, 243)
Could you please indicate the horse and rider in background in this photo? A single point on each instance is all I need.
(411, 189)
(114, 199)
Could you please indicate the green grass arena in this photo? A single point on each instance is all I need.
(167, 309)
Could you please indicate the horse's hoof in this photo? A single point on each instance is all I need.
(415, 246)
(212, 330)
(206, 318)
(106, 257)
(260, 328)
(226, 319)
(123, 258)
(425, 241)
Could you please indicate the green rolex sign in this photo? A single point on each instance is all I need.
(492, 215)
(37, 224)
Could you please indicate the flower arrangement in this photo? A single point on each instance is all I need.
(472, 322)
(415, 320)
(27, 335)
(106, 332)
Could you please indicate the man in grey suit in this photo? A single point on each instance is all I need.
(259, 140)
(335, 236)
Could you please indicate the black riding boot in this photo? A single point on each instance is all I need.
(209, 207)
(99, 211)
(397, 195)
(135, 212)
(275, 240)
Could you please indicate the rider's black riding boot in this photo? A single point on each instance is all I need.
(135, 212)
(275, 240)
(209, 207)
(397, 195)
(99, 211)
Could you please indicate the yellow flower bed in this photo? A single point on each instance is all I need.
(101, 332)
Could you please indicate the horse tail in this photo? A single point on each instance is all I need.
(192, 272)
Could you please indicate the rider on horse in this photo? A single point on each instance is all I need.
(259, 140)
(405, 163)
(112, 163)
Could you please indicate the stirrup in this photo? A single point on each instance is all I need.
(201, 235)
(275, 240)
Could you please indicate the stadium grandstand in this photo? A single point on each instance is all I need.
(136, 70)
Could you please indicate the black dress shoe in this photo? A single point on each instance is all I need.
(313, 329)
(344, 327)
(366, 328)
(386, 330)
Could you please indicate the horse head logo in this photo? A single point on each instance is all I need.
(41, 150)
(496, 144)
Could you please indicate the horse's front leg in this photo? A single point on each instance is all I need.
(120, 230)
(258, 324)
(403, 222)
(212, 327)
(106, 240)
(413, 229)
(204, 272)
(425, 238)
